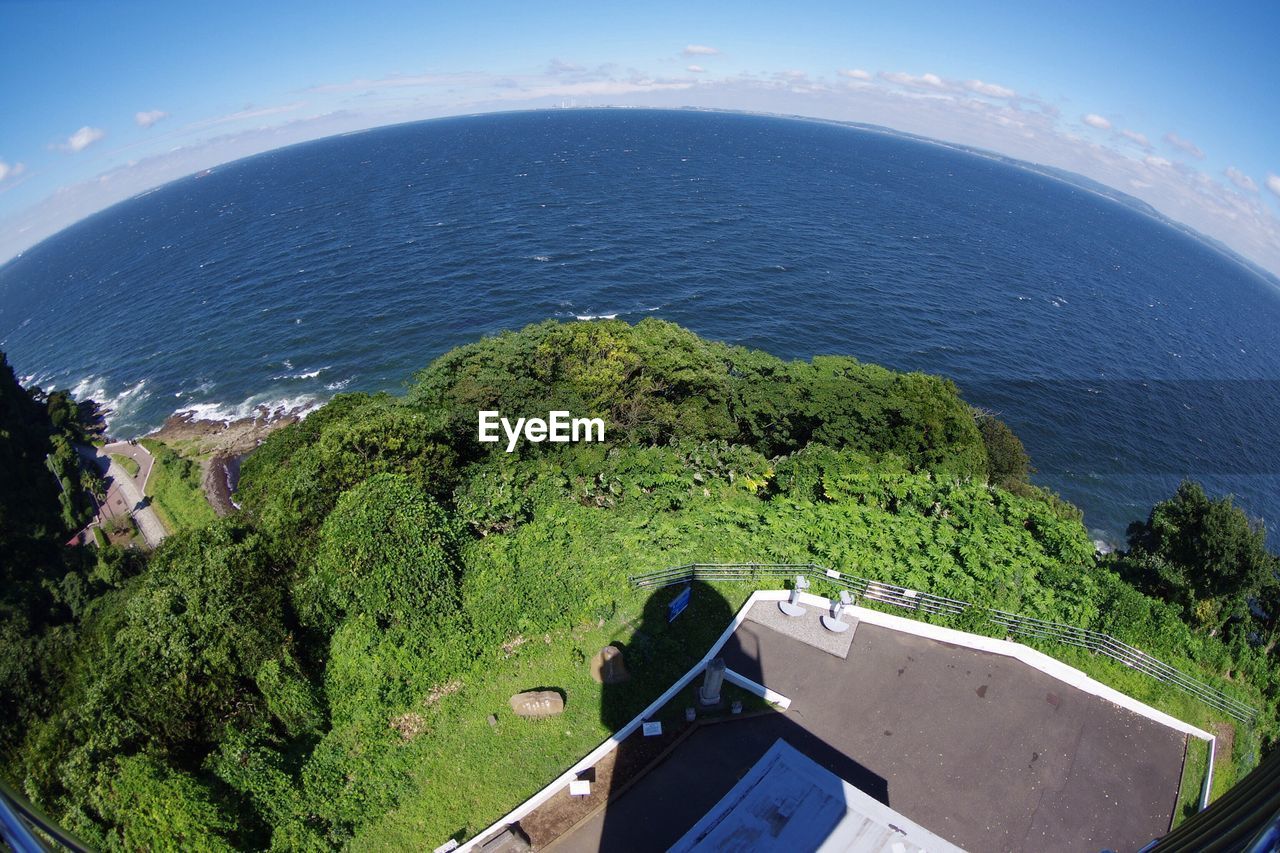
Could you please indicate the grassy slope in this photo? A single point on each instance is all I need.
(129, 465)
(175, 489)
(1193, 771)
(462, 778)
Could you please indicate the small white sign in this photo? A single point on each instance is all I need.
(832, 573)
(579, 788)
(653, 729)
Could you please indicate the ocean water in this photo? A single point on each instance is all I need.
(1125, 353)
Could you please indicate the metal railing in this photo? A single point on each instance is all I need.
(1012, 624)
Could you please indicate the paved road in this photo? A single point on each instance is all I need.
(138, 454)
(123, 488)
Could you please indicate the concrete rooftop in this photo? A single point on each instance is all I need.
(979, 748)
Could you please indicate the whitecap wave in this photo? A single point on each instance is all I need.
(113, 406)
(310, 374)
(612, 316)
(339, 385)
(261, 406)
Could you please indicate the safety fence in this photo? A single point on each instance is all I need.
(916, 601)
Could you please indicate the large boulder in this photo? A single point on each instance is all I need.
(537, 703)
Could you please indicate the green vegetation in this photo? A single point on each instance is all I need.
(1193, 770)
(128, 463)
(319, 670)
(175, 488)
(1206, 558)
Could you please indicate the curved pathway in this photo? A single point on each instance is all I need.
(126, 490)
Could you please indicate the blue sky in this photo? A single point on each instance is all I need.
(1176, 103)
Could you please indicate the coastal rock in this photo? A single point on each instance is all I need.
(537, 703)
(232, 437)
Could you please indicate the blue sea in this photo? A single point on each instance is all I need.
(1126, 353)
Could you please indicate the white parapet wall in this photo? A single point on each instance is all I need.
(1029, 656)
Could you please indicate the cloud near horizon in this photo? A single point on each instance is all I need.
(245, 114)
(1095, 120)
(1240, 179)
(933, 82)
(1186, 146)
(82, 139)
(1138, 139)
(149, 117)
(912, 81)
(991, 90)
(1273, 184)
(855, 74)
(700, 50)
(10, 171)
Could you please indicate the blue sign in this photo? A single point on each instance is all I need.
(676, 607)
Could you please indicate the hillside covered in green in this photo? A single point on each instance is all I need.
(319, 669)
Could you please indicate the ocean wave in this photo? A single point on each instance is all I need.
(339, 385)
(310, 374)
(203, 388)
(612, 316)
(113, 406)
(257, 406)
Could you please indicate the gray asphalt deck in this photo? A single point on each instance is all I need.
(985, 751)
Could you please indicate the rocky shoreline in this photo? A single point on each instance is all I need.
(220, 445)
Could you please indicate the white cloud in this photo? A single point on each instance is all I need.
(1240, 179)
(150, 117)
(991, 90)
(1186, 146)
(700, 50)
(1138, 139)
(591, 88)
(560, 66)
(401, 81)
(793, 75)
(1095, 120)
(931, 81)
(1273, 183)
(83, 138)
(11, 170)
(696, 69)
(1156, 162)
(855, 74)
(248, 113)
